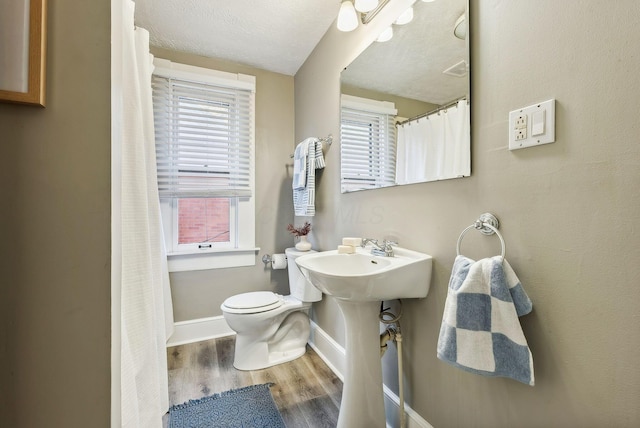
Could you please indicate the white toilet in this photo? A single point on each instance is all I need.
(272, 329)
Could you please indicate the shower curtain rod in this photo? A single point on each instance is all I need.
(442, 107)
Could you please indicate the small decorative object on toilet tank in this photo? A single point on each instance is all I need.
(301, 232)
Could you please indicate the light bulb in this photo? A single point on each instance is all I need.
(405, 17)
(347, 17)
(366, 5)
(386, 35)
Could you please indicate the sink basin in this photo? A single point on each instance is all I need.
(359, 282)
(365, 277)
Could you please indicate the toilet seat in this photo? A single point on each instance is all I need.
(253, 302)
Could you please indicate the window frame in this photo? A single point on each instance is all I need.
(242, 251)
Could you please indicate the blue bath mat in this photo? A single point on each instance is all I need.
(249, 407)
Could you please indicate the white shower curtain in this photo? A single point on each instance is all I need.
(435, 147)
(411, 152)
(457, 160)
(142, 317)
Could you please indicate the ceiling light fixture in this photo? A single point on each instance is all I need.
(405, 17)
(368, 17)
(347, 17)
(386, 35)
(366, 5)
(365, 10)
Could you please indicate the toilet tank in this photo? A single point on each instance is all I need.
(299, 286)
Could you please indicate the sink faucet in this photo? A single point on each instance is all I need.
(385, 249)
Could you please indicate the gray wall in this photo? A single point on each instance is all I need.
(569, 212)
(55, 232)
(199, 294)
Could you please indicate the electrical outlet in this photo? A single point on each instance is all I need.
(532, 126)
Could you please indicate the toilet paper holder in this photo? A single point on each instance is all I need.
(277, 261)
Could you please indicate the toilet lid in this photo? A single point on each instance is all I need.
(256, 301)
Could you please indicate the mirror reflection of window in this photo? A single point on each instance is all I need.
(368, 144)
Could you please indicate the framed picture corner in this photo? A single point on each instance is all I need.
(23, 33)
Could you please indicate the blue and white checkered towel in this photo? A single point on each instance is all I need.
(480, 330)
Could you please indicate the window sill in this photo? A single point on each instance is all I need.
(212, 259)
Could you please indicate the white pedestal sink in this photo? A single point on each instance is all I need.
(359, 282)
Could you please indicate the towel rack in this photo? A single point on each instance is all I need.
(328, 140)
(487, 224)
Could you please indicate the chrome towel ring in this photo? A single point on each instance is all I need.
(487, 224)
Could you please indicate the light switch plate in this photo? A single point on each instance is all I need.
(538, 119)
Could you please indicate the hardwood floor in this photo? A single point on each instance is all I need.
(306, 391)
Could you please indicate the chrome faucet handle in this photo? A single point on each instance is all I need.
(387, 246)
(385, 249)
(365, 241)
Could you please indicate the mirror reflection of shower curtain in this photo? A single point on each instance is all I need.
(411, 152)
(436, 147)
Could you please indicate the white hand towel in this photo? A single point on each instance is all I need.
(300, 165)
(304, 197)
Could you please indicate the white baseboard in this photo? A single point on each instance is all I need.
(199, 329)
(333, 354)
(392, 411)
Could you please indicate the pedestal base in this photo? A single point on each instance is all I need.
(362, 403)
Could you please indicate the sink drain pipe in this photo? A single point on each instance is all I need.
(393, 332)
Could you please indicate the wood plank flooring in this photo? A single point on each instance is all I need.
(306, 391)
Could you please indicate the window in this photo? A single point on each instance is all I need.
(204, 127)
(367, 149)
(204, 220)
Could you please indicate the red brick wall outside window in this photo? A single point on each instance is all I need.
(203, 220)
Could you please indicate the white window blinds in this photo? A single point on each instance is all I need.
(367, 149)
(203, 138)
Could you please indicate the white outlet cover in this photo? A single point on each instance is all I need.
(548, 110)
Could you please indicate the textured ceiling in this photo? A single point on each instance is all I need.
(274, 35)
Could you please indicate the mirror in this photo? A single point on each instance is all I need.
(405, 103)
